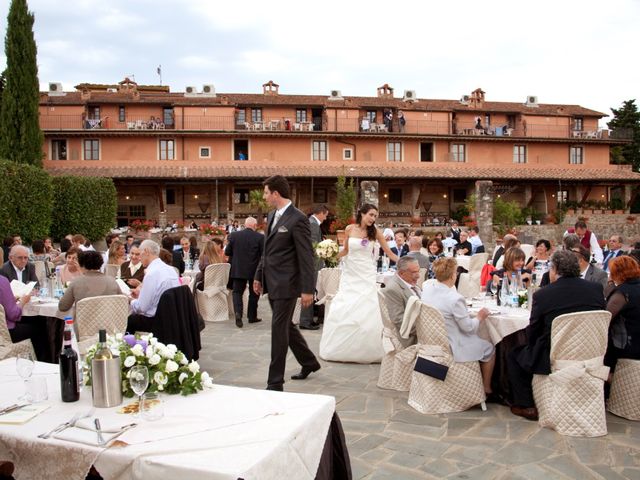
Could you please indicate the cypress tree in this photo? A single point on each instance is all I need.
(20, 135)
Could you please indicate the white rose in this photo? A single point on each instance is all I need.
(153, 341)
(160, 388)
(130, 361)
(154, 360)
(194, 367)
(172, 348)
(146, 337)
(119, 336)
(183, 360)
(183, 376)
(160, 378)
(206, 380)
(171, 366)
(137, 350)
(149, 352)
(164, 351)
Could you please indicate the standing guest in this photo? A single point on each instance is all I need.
(93, 283)
(318, 215)
(414, 252)
(244, 249)
(401, 121)
(132, 271)
(436, 251)
(567, 293)
(38, 252)
(71, 268)
(475, 241)
(128, 243)
(464, 246)
(286, 273)
(615, 250)
(117, 253)
(398, 289)
(211, 254)
(193, 225)
(587, 239)
(18, 266)
(588, 271)
(455, 231)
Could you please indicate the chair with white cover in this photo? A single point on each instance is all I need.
(571, 399)
(41, 270)
(7, 347)
(213, 302)
(422, 276)
(397, 362)
(112, 270)
(529, 250)
(328, 288)
(461, 389)
(624, 399)
(108, 312)
(469, 283)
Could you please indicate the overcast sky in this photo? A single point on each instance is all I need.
(564, 51)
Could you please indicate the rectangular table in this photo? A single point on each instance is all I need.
(221, 433)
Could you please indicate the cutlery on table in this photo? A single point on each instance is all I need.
(122, 430)
(11, 408)
(96, 422)
(68, 424)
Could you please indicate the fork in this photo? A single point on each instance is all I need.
(70, 423)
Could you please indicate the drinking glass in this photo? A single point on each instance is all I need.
(25, 362)
(139, 380)
(152, 407)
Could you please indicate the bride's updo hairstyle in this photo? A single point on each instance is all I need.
(364, 209)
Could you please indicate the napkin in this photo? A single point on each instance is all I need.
(24, 414)
(85, 432)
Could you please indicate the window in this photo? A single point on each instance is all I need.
(122, 117)
(426, 152)
(320, 195)
(137, 211)
(93, 112)
(487, 120)
(241, 116)
(458, 152)
(347, 153)
(395, 195)
(256, 114)
(241, 196)
(171, 196)
(519, 154)
(167, 117)
(92, 149)
(205, 152)
(167, 150)
(563, 196)
(58, 149)
(241, 149)
(394, 151)
(128, 213)
(459, 195)
(578, 123)
(371, 116)
(319, 150)
(576, 155)
(301, 115)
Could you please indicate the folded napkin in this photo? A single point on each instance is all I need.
(85, 432)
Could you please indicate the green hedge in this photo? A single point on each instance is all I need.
(83, 205)
(25, 201)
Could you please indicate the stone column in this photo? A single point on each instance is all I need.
(162, 215)
(484, 213)
(626, 198)
(369, 192)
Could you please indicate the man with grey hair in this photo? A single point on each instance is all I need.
(18, 266)
(615, 250)
(158, 278)
(399, 288)
(567, 293)
(415, 243)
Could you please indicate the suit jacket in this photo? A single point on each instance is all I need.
(316, 237)
(28, 274)
(287, 269)
(607, 258)
(396, 295)
(244, 249)
(423, 260)
(178, 260)
(595, 274)
(125, 273)
(565, 295)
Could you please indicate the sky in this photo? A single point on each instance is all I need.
(562, 51)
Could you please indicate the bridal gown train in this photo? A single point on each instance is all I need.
(352, 331)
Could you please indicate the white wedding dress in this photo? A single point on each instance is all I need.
(352, 330)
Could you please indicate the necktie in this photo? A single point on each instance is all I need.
(605, 264)
(276, 217)
(416, 290)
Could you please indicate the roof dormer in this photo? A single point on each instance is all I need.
(477, 98)
(385, 91)
(270, 88)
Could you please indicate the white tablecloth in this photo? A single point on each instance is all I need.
(502, 323)
(47, 308)
(221, 433)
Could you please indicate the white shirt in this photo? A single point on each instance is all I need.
(449, 242)
(316, 219)
(584, 272)
(134, 268)
(279, 214)
(18, 272)
(475, 243)
(410, 287)
(158, 278)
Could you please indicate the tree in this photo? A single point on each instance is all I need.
(345, 199)
(626, 121)
(257, 201)
(20, 135)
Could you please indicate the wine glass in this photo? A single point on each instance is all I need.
(139, 380)
(25, 362)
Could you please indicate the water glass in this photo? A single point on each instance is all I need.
(152, 408)
(25, 363)
(139, 380)
(36, 388)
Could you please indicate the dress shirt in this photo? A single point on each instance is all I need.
(158, 278)
(316, 219)
(414, 288)
(18, 272)
(610, 256)
(583, 273)
(134, 268)
(475, 243)
(278, 214)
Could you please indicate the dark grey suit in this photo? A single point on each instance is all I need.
(286, 270)
(306, 316)
(244, 249)
(28, 274)
(595, 274)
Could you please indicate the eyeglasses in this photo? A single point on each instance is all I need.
(20, 257)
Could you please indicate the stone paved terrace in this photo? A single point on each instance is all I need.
(387, 439)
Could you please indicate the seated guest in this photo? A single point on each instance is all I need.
(475, 241)
(589, 271)
(513, 263)
(568, 242)
(194, 246)
(463, 247)
(166, 256)
(188, 253)
(461, 327)
(105, 255)
(401, 248)
(508, 241)
(132, 271)
(635, 254)
(540, 260)
(567, 293)
(65, 245)
(158, 278)
(177, 258)
(117, 253)
(414, 252)
(50, 250)
(71, 268)
(615, 250)
(436, 251)
(91, 284)
(38, 252)
(212, 253)
(79, 241)
(398, 289)
(18, 266)
(624, 304)
(128, 243)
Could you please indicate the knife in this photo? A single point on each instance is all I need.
(11, 408)
(99, 431)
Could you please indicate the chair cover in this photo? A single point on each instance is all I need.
(395, 369)
(469, 283)
(528, 249)
(462, 388)
(108, 312)
(7, 347)
(571, 399)
(329, 287)
(422, 275)
(176, 321)
(624, 400)
(112, 270)
(213, 302)
(41, 271)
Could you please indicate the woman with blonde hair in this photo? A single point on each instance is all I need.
(211, 253)
(117, 253)
(513, 264)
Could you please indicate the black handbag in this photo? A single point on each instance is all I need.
(431, 368)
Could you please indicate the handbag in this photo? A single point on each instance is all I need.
(431, 368)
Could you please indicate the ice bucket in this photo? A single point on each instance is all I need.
(106, 382)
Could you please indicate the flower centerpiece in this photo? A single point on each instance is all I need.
(328, 251)
(523, 298)
(207, 229)
(169, 369)
(142, 225)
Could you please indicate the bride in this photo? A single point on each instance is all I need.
(352, 330)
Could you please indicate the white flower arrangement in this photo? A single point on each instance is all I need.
(328, 251)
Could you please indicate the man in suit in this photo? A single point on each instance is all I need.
(615, 250)
(455, 230)
(415, 243)
(398, 289)
(177, 260)
(588, 271)
(286, 272)
(244, 249)
(318, 216)
(18, 266)
(567, 293)
(187, 251)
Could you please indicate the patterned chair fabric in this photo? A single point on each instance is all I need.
(7, 347)
(108, 312)
(571, 399)
(213, 301)
(395, 368)
(112, 270)
(330, 288)
(624, 400)
(462, 388)
(422, 276)
(41, 271)
(469, 283)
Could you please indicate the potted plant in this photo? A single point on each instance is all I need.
(141, 225)
(345, 205)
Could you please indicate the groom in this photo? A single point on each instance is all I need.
(286, 272)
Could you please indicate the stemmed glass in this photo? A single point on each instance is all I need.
(139, 380)
(25, 362)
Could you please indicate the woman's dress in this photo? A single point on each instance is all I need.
(352, 330)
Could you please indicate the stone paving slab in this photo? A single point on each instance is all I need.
(387, 439)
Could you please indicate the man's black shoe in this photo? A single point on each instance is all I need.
(304, 373)
(239, 322)
(255, 320)
(309, 327)
(275, 388)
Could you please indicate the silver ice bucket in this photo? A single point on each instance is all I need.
(106, 382)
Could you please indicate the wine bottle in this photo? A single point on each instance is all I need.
(102, 352)
(69, 385)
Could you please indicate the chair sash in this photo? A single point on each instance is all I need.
(566, 371)
(214, 290)
(327, 298)
(390, 342)
(411, 314)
